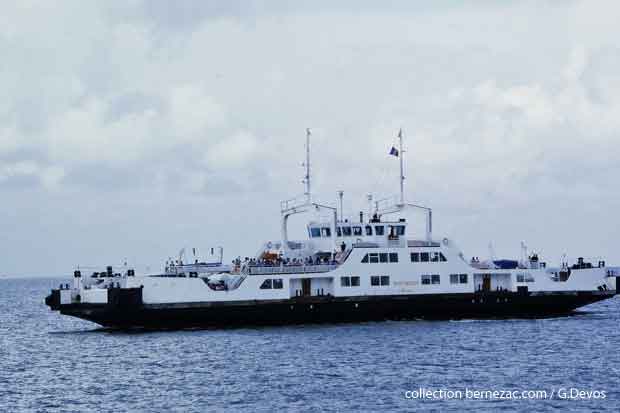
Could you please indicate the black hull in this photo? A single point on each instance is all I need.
(332, 310)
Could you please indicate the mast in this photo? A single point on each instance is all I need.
(402, 174)
(307, 164)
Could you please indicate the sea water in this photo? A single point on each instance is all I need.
(50, 362)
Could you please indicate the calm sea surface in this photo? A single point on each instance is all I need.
(50, 362)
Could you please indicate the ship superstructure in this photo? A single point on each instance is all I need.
(367, 268)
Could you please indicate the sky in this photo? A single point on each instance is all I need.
(131, 129)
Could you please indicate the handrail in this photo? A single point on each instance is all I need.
(291, 269)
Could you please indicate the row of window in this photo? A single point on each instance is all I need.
(375, 281)
(357, 231)
(380, 257)
(275, 283)
(350, 281)
(383, 280)
(458, 278)
(428, 257)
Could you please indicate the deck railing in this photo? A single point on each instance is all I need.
(291, 269)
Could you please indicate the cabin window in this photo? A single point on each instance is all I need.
(525, 277)
(435, 279)
(426, 280)
(415, 257)
(368, 230)
(380, 257)
(424, 257)
(385, 280)
(315, 232)
(353, 281)
(357, 231)
(379, 230)
(339, 231)
(375, 280)
(326, 232)
(266, 285)
(400, 230)
(278, 284)
(458, 278)
(346, 231)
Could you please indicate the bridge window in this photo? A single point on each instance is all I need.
(326, 232)
(400, 230)
(393, 257)
(357, 231)
(383, 257)
(346, 231)
(277, 283)
(315, 232)
(424, 257)
(385, 280)
(415, 257)
(365, 259)
(379, 230)
(374, 258)
(266, 285)
(368, 230)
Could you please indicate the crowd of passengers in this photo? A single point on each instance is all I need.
(279, 261)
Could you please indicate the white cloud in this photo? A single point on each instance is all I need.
(507, 105)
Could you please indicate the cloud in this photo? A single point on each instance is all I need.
(202, 107)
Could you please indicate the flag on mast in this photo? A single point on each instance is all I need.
(394, 151)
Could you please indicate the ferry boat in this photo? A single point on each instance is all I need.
(371, 268)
